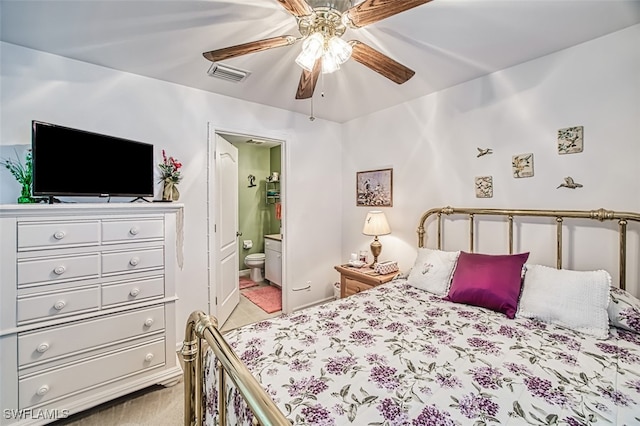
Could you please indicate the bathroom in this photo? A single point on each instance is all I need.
(259, 212)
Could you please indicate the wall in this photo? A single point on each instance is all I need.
(275, 165)
(254, 215)
(432, 146)
(37, 85)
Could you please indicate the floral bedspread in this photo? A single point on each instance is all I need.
(395, 355)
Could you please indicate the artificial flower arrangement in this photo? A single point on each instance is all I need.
(170, 176)
(23, 174)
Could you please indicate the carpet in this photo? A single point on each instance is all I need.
(246, 282)
(268, 298)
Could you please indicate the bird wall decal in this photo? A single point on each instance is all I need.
(569, 183)
(485, 151)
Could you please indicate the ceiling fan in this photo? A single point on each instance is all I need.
(322, 23)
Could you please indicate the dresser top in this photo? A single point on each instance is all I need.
(62, 209)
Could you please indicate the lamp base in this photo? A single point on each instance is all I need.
(376, 248)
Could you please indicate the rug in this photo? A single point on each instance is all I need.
(246, 282)
(268, 298)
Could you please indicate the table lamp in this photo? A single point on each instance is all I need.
(376, 224)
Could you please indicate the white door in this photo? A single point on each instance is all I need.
(226, 265)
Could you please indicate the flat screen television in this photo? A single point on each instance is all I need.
(72, 162)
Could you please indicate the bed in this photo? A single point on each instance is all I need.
(463, 338)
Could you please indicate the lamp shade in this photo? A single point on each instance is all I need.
(376, 224)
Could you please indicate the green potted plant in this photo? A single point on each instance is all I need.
(23, 174)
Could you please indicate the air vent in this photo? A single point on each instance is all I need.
(228, 73)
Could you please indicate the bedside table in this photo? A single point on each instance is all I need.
(354, 280)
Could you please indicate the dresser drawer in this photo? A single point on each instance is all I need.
(54, 384)
(84, 335)
(56, 304)
(132, 291)
(118, 231)
(58, 269)
(353, 286)
(132, 260)
(32, 235)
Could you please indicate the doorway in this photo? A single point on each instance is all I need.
(251, 167)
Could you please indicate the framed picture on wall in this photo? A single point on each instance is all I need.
(484, 187)
(570, 140)
(374, 188)
(522, 165)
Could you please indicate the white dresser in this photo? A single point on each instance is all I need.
(87, 305)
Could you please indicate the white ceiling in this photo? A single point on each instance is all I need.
(445, 41)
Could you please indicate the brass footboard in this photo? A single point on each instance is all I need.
(204, 327)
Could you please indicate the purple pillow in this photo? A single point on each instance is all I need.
(489, 281)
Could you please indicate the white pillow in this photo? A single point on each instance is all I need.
(574, 299)
(432, 270)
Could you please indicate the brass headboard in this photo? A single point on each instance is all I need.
(559, 215)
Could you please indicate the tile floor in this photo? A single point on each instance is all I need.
(246, 313)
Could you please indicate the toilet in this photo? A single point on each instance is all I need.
(255, 262)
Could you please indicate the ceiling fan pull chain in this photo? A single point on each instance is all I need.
(311, 117)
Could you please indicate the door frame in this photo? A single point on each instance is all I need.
(212, 204)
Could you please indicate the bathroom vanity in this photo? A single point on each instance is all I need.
(273, 258)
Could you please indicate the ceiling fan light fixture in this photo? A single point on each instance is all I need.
(329, 63)
(314, 44)
(312, 49)
(340, 49)
(306, 60)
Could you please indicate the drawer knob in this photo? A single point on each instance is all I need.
(149, 357)
(134, 261)
(134, 292)
(134, 230)
(148, 322)
(59, 270)
(59, 235)
(42, 348)
(42, 390)
(59, 305)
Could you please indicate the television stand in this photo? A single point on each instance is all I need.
(140, 198)
(53, 200)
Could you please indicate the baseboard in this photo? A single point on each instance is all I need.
(321, 302)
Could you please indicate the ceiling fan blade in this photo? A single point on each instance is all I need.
(370, 11)
(296, 7)
(251, 47)
(308, 81)
(380, 63)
